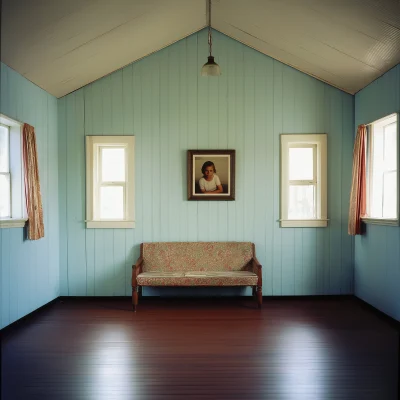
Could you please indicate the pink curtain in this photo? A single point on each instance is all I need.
(32, 184)
(358, 186)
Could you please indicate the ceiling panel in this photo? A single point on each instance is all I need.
(63, 45)
(347, 43)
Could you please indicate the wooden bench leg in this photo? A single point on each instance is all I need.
(259, 296)
(135, 297)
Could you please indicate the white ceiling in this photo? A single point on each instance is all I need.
(62, 45)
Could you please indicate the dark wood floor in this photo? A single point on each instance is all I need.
(201, 349)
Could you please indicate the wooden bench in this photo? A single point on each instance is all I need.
(197, 264)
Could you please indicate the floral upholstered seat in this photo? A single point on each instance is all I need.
(197, 264)
(198, 278)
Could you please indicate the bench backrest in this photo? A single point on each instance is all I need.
(196, 256)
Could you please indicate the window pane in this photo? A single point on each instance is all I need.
(383, 171)
(5, 196)
(376, 171)
(4, 150)
(113, 164)
(301, 202)
(301, 164)
(390, 146)
(390, 195)
(111, 202)
(376, 195)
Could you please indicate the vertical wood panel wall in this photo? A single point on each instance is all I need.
(377, 253)
(170, 108)
(29, 270)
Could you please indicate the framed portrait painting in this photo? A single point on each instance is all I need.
(211, 174)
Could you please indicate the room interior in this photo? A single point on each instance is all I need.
(74, 69)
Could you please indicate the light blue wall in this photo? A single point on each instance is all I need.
(29, 270)
(164, 102)
(377, 253)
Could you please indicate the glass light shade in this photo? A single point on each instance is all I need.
(210, 68)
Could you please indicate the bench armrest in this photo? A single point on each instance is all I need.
(139, 263)
(136, 270)
(257, 269)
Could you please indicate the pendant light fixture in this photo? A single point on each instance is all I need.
(210, 68)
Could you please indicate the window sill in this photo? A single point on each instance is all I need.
(110, 224)
(12, 223)
(381, 221)
(303, 223)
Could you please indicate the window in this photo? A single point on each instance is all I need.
(304, 180)
(381, 168)
(5, 176)
(110, 181)
(12, 194)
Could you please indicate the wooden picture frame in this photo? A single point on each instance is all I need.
(211, 174)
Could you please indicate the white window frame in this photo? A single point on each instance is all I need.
(369, 149)
(18, 213)
(93, 165)
(317, 141)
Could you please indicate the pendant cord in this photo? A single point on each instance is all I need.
(209, 26)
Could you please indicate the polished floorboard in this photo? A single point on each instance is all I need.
(292, 349)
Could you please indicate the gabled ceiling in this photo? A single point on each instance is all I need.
(62, 45)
